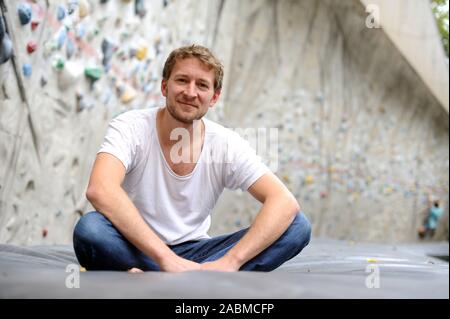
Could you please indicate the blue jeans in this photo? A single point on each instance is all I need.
(100, 246)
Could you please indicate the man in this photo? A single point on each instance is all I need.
(153, 203)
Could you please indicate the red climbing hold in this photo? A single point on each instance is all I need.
(44, 232)
(31, 47)
(34, 25)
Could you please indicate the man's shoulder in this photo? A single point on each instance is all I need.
(138, 119)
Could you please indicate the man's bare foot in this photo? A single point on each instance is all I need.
(134, 270)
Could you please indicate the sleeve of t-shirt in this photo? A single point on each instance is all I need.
(244, 167)
(120, 140)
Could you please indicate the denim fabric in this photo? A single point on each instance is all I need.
(100, 246)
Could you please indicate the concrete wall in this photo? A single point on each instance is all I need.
(412, 28)
(362, 139)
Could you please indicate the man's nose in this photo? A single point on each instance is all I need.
(191, 90)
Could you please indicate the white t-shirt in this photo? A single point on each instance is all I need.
(178, 207)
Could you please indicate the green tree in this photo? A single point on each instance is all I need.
(440, 10)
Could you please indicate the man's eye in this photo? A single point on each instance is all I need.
(203, 85)
(181, 80)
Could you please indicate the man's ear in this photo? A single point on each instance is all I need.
(164, 88)
(215, 98)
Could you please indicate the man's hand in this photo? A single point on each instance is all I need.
(178, 264)
(221, 264)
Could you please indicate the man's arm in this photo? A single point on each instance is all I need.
(277, 213)
(107, 196)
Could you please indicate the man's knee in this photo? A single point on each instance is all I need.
(89, 227)
(299, 232)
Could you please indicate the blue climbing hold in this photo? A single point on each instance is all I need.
(6, 47)
(80, 31)
(108, 48)
(26, 69)
(139, 8)
(25, 13)
(61, 13)
(61, 37)
(70, 49)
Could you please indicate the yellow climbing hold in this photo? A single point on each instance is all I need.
(141, 53)
(309, 179)
(82, 269)
(372, 260)
(128, 95)
(84, 8)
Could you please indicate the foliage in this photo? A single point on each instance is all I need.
(440, 10)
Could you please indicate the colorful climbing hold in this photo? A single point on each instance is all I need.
(26, 69)
(108, 48)
(309, 179)
(44, 232)
(139, 8)
(128, 94)
(93, 73)
(61, 37)
(84, 8)
(80, 31)
(70, 48)
(60, 13)
(31, 47)
(25, 13)
(141, 52)
(59, 63)
(6, 47)
(34, 25)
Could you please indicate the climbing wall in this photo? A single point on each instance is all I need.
(360, 139)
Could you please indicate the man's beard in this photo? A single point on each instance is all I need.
(189, 119)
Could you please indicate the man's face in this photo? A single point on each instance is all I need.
(189, 91)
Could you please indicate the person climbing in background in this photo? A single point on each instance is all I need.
(434, 212)
(153, 204)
